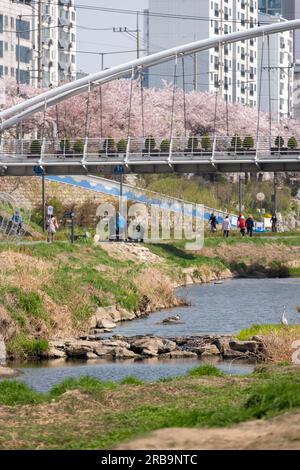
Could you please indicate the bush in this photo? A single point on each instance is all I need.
(65, 145)
(292, 143)
(22, 346)
(165, 146)
(205, 370)
(248, 142)
(236, 142)
(122, 146)
(279, 142)
(206, 143)
(79, 147)
(109, 145)
(13, 392)
(35, 147)
(192, 143)
(150, 143)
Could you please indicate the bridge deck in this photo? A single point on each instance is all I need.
(17, 159)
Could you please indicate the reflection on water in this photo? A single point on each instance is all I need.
(42, 376)
(225, 308)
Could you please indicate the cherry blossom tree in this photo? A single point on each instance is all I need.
(82, 115)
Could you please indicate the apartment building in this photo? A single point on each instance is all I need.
(58, 42)
(229, 70)
(276, 70)
(16, 52)
(54, 55)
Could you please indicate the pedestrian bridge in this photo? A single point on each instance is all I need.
(139, 155)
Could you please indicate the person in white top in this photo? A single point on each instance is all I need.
(226, 226)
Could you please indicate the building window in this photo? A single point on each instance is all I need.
(1, 48)
(1, 23)
(25, 54)
(24, 77)
(1, 70)
(23, 28)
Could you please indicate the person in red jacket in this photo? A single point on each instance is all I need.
(242, 225)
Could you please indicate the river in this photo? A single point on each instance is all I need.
(214, 308)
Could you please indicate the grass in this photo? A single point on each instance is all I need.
(22, 346)
(264, 330)
(112, 413)
(205, 370)
(13, 392)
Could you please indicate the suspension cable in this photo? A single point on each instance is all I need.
(87, 112)
(130, 102)
(260, 85)
(101, 110)
(227, 116)
(57, 121)
(269, 79)
(174, 96)
(44, 119)
(184, 97)
(142, 101)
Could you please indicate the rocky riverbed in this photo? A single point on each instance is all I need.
(138, 347)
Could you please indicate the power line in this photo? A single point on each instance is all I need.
(161, 14)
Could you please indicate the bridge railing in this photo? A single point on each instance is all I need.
(136, 148)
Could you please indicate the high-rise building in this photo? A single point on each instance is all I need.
(276, 70)
(284, 8)
(58, 42)
(15, 52)
(22, 55)
(228, 69)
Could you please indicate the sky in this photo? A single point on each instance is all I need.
(105, 41)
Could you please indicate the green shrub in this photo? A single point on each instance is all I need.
(279, 142)
(206, 143)
(109, 145)
(205, 370)
(13, 392)
(150, 143)
(31, 303)
(22, 346)
(131, 380)
(236, 142)
(79, 147)
(122, 146)
(165, 146)
(35, 147)
(248, 142)
(292, 143)
(192, 143)
(65, 145)
(86, 384)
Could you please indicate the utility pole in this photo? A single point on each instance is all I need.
(240, 194)
(19, 60)
(195, 72)
(129, 31)
(137, 35)
(40, 45)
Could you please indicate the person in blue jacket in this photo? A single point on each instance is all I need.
(250, 226)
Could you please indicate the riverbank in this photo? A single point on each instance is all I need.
(90, 414)
(61, 292)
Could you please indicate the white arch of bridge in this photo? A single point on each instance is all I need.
(17, 113)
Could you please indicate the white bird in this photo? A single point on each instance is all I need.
(284, 320)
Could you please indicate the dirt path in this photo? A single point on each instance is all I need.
(282, 432)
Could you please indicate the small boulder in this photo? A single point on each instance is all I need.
(7, 372)
(177, 354)
(244, 346)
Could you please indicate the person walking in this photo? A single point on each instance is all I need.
(242, 226)
(274, 221)
(213, 223)
(250, 226)
(226, 227)
(52, 228)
